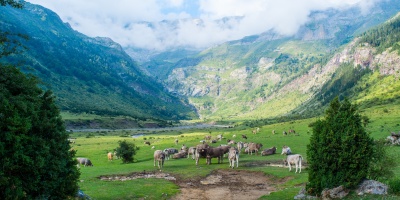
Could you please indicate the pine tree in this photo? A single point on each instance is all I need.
(339, 149)
(35, 157)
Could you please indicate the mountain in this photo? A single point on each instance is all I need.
(271, 75)
(92, 75)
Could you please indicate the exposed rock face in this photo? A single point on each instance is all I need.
(372, 187)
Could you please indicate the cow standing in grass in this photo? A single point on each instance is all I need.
(293, 159)
(159, 156)
(233, 156)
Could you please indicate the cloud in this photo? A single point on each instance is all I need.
(162, 24)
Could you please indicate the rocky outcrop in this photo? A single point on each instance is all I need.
(372, 187)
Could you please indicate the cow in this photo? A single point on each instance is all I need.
(291, 131)
(284, 133)
(293, 159)
(176, 141)
(184, 148)
(181, 154)
(219, 137)
(269, 151)
(191, 151)
(84, 161)
(233, 156)
(110, 156)
(169, 152)
(147, 142)
(225, 148)
(273, 132)
(207, 137)
(254, 147)
(254, 131)
(244, 137)
(240, 146)
(201, 152)
(159, 156)
(286, 150)
(215, 152)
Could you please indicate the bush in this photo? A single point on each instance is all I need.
(394, 186)
(381, 163)
(126, 151)
(339, 149)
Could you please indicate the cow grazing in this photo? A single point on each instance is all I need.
(254, 147)
(291, 131)
(284, 133)
(169, 152)
(110, 156)
(244, 137)
(234, 135)
(201, 152)
(147, 142)
(84, 161)
(191, 151)
(213, 141)
(286, 150)
(176, 141)
(269, 151)
(159, 156)
(293, 159)
(215, 152)
(254, 131)
(273, 132)
(233, 156)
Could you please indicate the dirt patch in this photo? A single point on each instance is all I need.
(228, 184)
(219, 185)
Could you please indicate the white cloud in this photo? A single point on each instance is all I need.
(123, 20)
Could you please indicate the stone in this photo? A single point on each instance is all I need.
(372, 187)
(335, 193)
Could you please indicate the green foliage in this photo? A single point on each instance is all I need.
(394, 186)
(35, 161)
(382, 163)
(339, 150)
(385, 36)
(126, 151)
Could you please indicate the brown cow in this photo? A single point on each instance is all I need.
(215, 152)
(110, 156)
(269, 151)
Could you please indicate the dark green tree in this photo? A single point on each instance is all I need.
(126, 151)
(339, 150)
(35, 157)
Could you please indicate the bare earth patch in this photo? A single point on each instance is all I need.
(219, 185)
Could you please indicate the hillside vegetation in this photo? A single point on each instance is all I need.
(88, 75)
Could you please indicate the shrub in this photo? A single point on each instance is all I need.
(126, 151)
(339, 149)
(394, 186)
(381, 163)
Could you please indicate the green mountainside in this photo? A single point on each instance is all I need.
(268, 75)
(92, 75)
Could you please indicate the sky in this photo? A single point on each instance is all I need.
(167, 24)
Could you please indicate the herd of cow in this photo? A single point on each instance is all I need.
(204, 150)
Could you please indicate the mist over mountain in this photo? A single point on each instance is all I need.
(259, 76)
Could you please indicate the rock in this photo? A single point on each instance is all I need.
(372, 187)
(302, 195)
(338, 192)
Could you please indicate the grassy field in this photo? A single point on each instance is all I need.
(383, 121)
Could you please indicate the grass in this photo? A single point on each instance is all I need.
(383, 120)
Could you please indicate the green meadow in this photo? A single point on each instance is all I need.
(95, 145)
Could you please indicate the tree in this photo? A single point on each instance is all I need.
(126, 151)
(35, 157)
(339, 150)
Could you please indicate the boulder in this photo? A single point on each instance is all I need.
(372, 187)
(302, 195)
(335, 193)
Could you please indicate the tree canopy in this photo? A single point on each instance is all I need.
(339, 150)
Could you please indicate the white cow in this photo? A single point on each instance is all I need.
(294, 159)
(159, 156)
(233, 156)
(286, 150)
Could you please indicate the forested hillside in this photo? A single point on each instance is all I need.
(92, 75)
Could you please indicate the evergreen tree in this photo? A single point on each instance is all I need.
(35, 157)
(339, 150)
